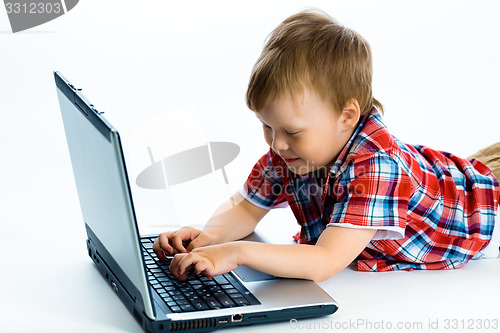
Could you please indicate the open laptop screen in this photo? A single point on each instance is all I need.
(102, 184)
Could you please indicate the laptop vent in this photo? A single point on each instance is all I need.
(192, 324)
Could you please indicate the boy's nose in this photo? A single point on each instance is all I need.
(279, 144)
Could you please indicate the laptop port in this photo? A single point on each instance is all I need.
(236, 318)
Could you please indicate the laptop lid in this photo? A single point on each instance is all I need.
(103, 188)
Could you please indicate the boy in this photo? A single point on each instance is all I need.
(357, 191)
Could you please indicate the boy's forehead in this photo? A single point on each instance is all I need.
(292, 109)
(294, 99)
(300, 97)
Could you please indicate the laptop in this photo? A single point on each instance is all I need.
(157, 300)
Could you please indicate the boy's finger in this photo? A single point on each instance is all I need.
(163, 242)
(174, 264)
(158, 250)
(201, 267)
(197, 242)
(186, 262)
(177, 239)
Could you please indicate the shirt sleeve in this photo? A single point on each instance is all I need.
(373, 193)
(264, 187)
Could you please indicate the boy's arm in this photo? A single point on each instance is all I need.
(336, 248)
(234, 219)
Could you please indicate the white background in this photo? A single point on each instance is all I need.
(150, 65)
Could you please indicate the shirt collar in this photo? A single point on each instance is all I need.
(347, 148)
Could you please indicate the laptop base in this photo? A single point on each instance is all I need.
(97, 254)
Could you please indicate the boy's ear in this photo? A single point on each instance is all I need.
(350, 114)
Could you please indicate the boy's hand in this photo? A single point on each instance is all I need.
(209, 261)
(172, 242)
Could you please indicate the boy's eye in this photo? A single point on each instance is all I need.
(267, 127)
(292, 133)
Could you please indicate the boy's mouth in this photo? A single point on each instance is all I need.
(291, 160)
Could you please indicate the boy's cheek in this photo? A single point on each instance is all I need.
(268, 140)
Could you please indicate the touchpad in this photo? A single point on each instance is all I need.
(248, 274)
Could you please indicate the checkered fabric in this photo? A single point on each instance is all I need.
(431, 209)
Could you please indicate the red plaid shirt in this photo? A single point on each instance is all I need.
(432, 210)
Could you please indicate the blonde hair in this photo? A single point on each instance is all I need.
(310, 49)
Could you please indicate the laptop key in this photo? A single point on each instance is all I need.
(220, 279)
(189, 294)
(231, 291)
(225, 301)
(178, 298)
(159, 275)
(214, 288)
(187, 307)
(167, 298)
(200, 305)
(194, 282)
(175, 293)
(213, 304)
(179, 283)
(175, 309)
(165, 279)
(198, 286)
(205, 295)
(241, 301)
(209, 283)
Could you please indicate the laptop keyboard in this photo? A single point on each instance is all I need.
(196, 293)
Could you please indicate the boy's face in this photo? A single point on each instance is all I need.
(306, 131)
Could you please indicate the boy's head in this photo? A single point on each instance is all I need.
(309, 88)
(311, 50)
